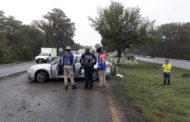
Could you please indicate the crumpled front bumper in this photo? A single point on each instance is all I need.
(30, 74)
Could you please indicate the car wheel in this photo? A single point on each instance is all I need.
(41, 76)
(95, 75)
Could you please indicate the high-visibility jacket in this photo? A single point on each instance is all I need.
(167, 68)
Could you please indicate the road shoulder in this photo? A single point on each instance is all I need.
(127, 111)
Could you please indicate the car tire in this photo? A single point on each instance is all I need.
(95, 75)
(41, 76)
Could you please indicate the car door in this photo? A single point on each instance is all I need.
(77, 66)
(54, 69)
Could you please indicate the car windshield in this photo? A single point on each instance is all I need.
(44, 54)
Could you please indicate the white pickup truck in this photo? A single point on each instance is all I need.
(46, 55)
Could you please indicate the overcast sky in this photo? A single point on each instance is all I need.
(163, 11)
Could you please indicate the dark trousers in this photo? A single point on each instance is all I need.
(166, 78)
(88, 77)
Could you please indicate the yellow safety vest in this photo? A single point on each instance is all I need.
(167, 67)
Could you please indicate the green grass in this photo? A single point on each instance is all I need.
(143, 84)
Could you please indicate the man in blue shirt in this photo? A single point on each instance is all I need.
(68, 62)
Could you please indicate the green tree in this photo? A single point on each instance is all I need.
(170, 41)
(97, 45)
(121, 28)
(18, 42)
(173, 40)
(77, 46)
(29, 42)
(58, 28)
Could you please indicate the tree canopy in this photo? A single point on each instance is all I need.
(20, 42)
(170, 40)
(57, 27)
(121, 28)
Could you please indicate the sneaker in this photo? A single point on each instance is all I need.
(74, 87)
(66, 87)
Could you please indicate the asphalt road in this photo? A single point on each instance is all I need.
(24, 101)
(15, 68)
(176, 63)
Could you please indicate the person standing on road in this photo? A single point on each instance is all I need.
(68, 62)
(101, 66)
(88, 60)
(167, 66)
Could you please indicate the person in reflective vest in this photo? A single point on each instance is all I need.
(167, 66)
(101, 66)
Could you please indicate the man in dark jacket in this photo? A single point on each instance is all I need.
(88, 60)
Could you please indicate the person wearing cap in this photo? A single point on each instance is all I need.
(167, 66)
(101, 66)
(68, 62)
(88, 60)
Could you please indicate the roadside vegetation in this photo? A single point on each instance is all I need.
(169, 40)
(125, 30)
(159, 103)
(21, 42)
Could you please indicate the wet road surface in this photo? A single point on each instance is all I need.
(15, 68)
(24, 101)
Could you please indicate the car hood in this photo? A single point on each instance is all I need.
(40, 66)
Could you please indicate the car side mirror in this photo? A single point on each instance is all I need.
(53, 62)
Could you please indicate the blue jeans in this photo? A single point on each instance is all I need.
(166, 78)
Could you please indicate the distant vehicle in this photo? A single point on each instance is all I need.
(46, 55)
(54, 70)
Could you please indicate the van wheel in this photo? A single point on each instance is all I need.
(41, 76)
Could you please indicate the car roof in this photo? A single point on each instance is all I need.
(77, 55)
